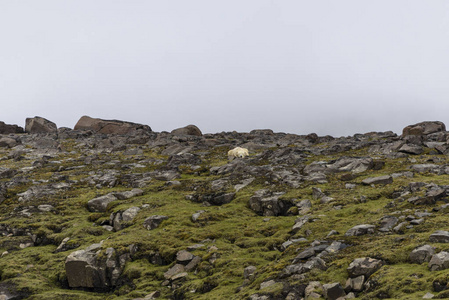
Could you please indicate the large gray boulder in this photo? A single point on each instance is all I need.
(439, 236)
(7, 129)
(364, 266)
(439, 261)
(40, 125)
(109, 126)
(93, 268)
(187, 130)
(422, 254)
(100, 204)
(424, 128)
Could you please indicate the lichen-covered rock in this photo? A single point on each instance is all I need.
(187, 130)
(360, 230)
(386, 179)
(424, 128)
(439, 261)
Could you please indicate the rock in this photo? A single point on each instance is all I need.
(439, 261)
(333, 291)
(265, 203)
(117, 219)
(128, 194)
(184, 257)
(440, 236)
(424, 128)
(40, 125)
(387, 179)
(422, 254)
(249, 272)
(355, 284)
(7, 129)
(7, 172)
(423, 168)
(88, 269)
(411, 149)
(110, 126)
(428, 296)
(173, 271)
(365, 266)
(187, 130)
(7, 142)
(360, 230)
(387, 223)
(153, 222)
(100, 204)
(304, 206)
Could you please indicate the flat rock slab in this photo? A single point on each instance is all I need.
(386, 179)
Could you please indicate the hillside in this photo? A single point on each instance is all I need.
(113, 210)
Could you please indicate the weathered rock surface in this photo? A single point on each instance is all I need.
(153, 221)
(422, 254)
(365, 266)
(187, 130)
(88, 269)
(40, 125)
(424, 128)
(109, 126)
(7, 128)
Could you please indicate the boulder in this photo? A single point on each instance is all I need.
(333, 291)
(386, 179)
(8, 142)
(90, 268)
(40, 125)
(422, 254)
(364, 266)
(439, 236)
(424, 128)
(100, 204)
(187, 130)
(117, 219)
(411, 149)
(7, 129)
(153, 222)
(265, 203)
(110, 126)
(360, 230)
(439, 261)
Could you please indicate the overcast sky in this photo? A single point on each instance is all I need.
(330, 67)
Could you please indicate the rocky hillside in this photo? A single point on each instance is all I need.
(113, 210)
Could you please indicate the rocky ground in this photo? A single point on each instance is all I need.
(113, 210)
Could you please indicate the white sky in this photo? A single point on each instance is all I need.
(330, 67)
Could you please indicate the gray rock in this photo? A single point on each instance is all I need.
(386, 179)
(439, 261)
(428, 296)
(364, 266)
(333, 291)
(440, 236)
(424, 128)
(360, 230)
(100, 204)
(7, 142)
(265, 203)
(355, 284)
(89, 269)
(304, 206)
(110, 126)
(40, 125)
(184, 257)
(249, 272)
(423, 168)
(422, 254)
(173, 271)
(128, 194)
(387, 223)
(153, 221)
(411, 149)
(187, 130)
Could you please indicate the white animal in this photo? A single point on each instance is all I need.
(238, 152)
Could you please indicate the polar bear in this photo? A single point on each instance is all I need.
(238, 152)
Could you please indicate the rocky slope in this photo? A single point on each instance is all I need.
(113, 210)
